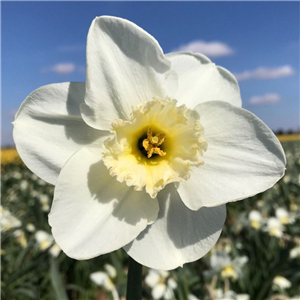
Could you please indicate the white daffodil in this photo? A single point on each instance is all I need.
(24, 185)
(222, 264)
(281, 282)
(8, 221)
(255, 219)
(30, 227)
(44, 200)
(161, 283)
(242, 297)
(274, 227)
(45, 240)
(145, 154)
(21, 238)
(295, 252)
(284, 216)
(105, 279)
(230, 295)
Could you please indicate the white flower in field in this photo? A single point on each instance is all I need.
(286, 179)
(222, 264)
(105, 279)
(255, 219)
(274, 227)
(242, 297)
(23, 185)
(161, 283)
(44, 200)
(218, 293)
(55, 250)
(192, 297)
(295, 252)
(46, 242)
(41, 182)
(16, 175)
(30, 227)
(21, 238)
(281, 282)
(230, 295)
(284, 216)
(34, 177)
(132, 166)
(8, 221)
(110, 270)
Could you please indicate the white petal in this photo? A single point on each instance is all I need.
(219, 260)
(172, 283)
(111, 271)
(243, 157)
(55, 250)
(158, 291)
(99, 278)
(92, 213)
(48, 128)
(152, 278)
(199, 80)
(242, 297)
(179, 235)
(168, 295)
(125, 66)
(42, 236)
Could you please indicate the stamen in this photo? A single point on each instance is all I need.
(152, 143)
(154, 140)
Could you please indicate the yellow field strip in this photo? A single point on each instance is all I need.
(289, 137)
(10, 155)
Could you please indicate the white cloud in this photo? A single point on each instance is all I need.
(269, 98)
(61, 68)
(266, 73)
(211, 49)
(64, 68)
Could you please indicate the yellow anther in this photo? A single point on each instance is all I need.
(154, 140)
(152, 143)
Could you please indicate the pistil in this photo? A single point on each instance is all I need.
(152, 143)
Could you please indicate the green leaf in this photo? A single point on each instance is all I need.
(57, 284)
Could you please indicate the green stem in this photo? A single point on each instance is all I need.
(134, 280)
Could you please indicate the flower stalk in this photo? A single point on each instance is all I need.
(134, 280)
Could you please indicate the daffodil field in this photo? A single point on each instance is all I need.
(257, 256)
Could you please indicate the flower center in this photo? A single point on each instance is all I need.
(158, 145)
(229, 272)
(152, 143)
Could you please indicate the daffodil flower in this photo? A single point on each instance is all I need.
(161, 283)
(105, 279)
(145, 154)
(295, 252)
(284, 216)
(274, 227)
(222, 264)
(281, 282)
(45, 241)
(255, 219)
(7, 220)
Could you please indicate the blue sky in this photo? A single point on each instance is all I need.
(44, 42)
